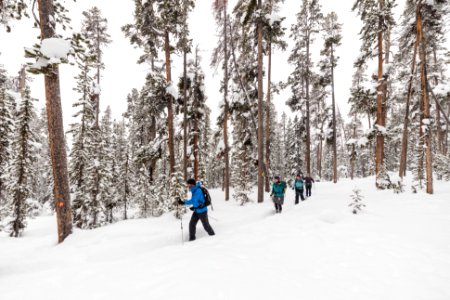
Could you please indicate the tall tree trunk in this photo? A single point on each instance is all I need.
(97, 95)
(269, 87)
(169, 105)
(260, 113)
(318, 153)
(56, 131)
(185, 136)
(269, 95)
(404, 153)
(226, 107)
(308, 130)
(195, 105)
(425, 115)
(380, 122)
(439, 133)
(353, 154)
(334, 120)
(447, 131)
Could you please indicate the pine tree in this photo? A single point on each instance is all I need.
(185, 45)
(94, 30)
(222, 54)
(48, 22)
(7, 108)
(169, 22)
(357, 204)
(332, 37)
(274, 33)
(24, 153)
(43, 184)
(145, 197)
(249, 15)
(196, 113)
(124, 169)
(107, 167)
(377, 20)
(177, 189)
(241, 160)
(303, 32)
(83, 142)
(12, 10)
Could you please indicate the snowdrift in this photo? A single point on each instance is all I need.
(398, 247)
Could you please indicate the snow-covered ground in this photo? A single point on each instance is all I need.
(398, 248)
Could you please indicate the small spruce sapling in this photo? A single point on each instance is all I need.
(357, 204)
(398, 187)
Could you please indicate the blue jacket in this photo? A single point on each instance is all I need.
(197, 199)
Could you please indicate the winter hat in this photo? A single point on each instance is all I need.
(276, 177)
(191, 181)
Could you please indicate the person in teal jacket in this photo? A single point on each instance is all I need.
(277, 194)
(200, 211)
(298, 187)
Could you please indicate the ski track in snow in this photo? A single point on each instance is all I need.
(397, 248)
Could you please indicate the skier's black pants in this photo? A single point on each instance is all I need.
(299, 194)
(193, 224)
(278, 207)
(308, 189)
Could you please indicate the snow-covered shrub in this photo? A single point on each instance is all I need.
(357, 204)
(398, 187)
(242, 198)
(383, 179)
(33, 207)
(441, 166)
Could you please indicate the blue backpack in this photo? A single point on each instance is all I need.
(299, 184)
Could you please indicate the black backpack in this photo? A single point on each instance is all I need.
(207, 198)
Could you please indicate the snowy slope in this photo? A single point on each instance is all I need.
(399, 248)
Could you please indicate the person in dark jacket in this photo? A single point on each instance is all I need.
(308, 183)
(200, 211)
(278, 190)
(298, 187)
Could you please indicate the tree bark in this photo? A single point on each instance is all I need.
(404, 153)
(269, 95)
(334, 120)
(185, 136)
(439, 133)
(269, 87)
(308, 129)
(380, 122)
(226, 107)
(195, 105)
(169, 105)
(56, 131)
(260, 113)
(425, 105)
(353, 154)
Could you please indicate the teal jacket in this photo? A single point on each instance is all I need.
(278, 189)
(298, 184)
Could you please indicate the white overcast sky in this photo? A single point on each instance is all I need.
(123, 73)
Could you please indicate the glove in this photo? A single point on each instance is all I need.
(179, 201)
(191, 208)
(271, 195)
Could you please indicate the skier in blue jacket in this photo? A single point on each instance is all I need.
(200, 211)
(298, 187)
